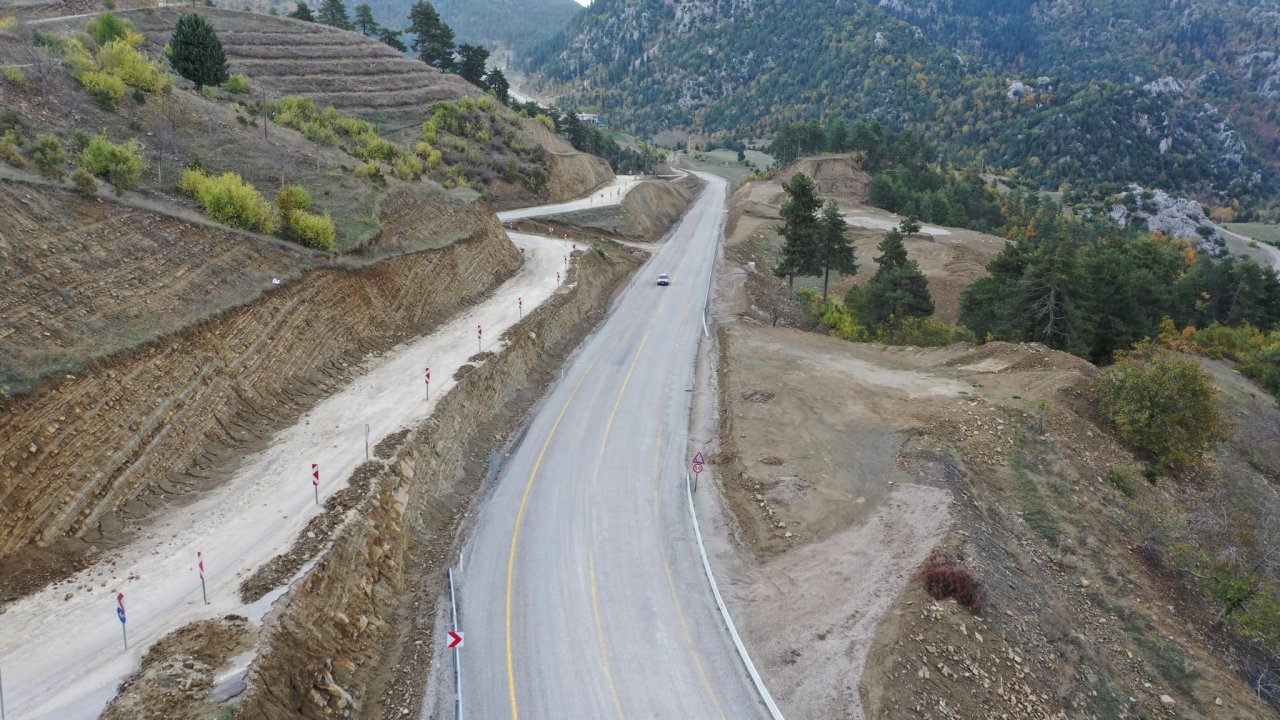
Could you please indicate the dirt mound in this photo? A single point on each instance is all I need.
(655, 205)
(835, 175)
(180, 676)
(645, 215)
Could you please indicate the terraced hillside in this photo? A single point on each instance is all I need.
(81, 279)
(88, 452)
(334, 67)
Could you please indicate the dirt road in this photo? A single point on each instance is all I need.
(61, 650)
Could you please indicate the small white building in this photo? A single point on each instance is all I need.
(589, 118)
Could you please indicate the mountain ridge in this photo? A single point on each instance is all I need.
(745, 67)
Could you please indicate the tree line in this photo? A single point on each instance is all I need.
(1092, 288)
(908, 178)
(430, 38)
(816, 243)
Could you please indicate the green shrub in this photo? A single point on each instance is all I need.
(547, 122)
(1164, 405)
(122, 60)
(239, 85)
(211, 93)
(229, 199)
(313, 230)
(107, 27)
(49, 155)
(120, 164)
(83, 182)
(75, 56)
(1122, 477)
(290, 198)
(10, 144)
(370, 171)
(923, 332)
(15, 76)
(103, 87)
(407, 167)
(8, 23)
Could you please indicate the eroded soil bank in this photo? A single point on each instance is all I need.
(84, 460)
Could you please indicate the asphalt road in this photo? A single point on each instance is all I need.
(581, 590)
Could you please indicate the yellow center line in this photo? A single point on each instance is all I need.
(666, 565)
(524, 501)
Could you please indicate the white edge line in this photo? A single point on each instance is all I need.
(724, 612)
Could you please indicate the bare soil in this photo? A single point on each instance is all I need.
(180, 677)
(896, 451)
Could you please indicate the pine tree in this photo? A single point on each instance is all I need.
(392, 39)
(899, 290)
(302, 12)
(334, 14)
(835, 249)
(365, 22)
(433, 39)
(471, 63)
(196, 53)
(800, 229)
(496, 83)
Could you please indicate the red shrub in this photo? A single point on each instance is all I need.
(945, 577)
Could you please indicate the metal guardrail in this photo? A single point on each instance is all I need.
(774, 712)
(457, 652)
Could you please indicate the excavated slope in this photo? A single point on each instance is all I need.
(77, 455)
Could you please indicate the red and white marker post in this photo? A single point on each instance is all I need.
(557, 278)
(520, 304)
(315, 481)
(200, 564)
(428, 383)
(479, 338)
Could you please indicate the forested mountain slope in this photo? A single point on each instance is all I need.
(1066, 90)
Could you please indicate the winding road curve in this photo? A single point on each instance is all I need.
(581, 591)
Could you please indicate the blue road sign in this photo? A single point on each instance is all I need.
(120, 614)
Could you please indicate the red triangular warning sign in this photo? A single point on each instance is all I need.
(697, 459)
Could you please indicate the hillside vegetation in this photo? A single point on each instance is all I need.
(743, 69)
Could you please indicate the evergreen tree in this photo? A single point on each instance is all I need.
(471, 63)
(433, 39)
(392, 38)
(899, 290)
(334, 14)
(573, 130)
(365, 22)
(800, 229)
(496, 83)
(302, 12)
(196, 53)
(838, 137)
(1051, 307)
(835, 249)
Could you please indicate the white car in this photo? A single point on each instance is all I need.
(664, 279)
